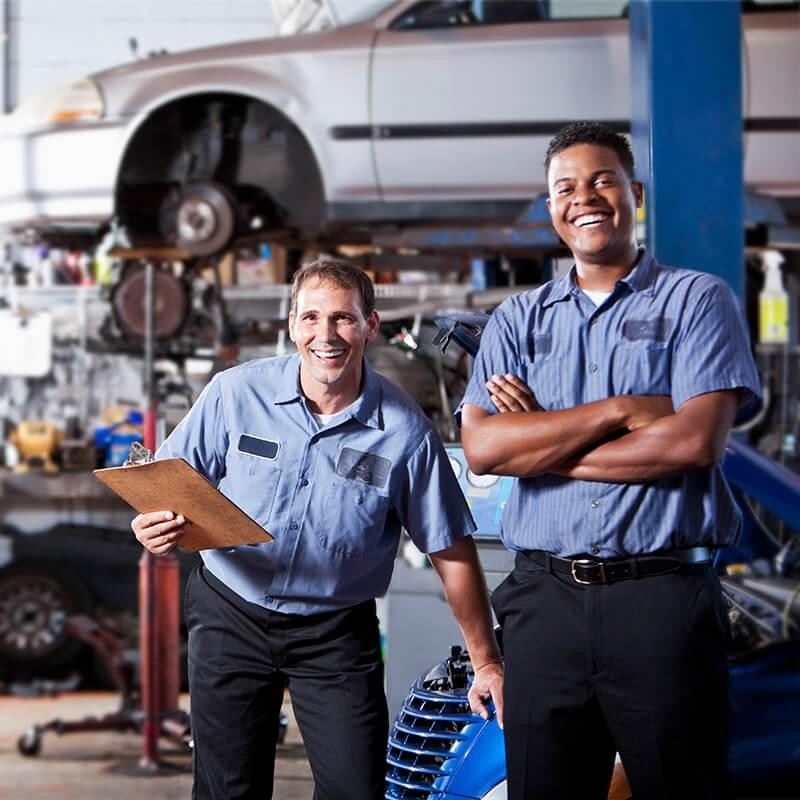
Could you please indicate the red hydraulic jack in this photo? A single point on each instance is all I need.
(159, 594)
(159, 622)
(159, 657)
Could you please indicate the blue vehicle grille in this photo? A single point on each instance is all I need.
(426, 743)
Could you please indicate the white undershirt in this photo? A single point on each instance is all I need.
(598, 298)
(324, 419)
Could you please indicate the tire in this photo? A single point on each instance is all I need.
(35, 601)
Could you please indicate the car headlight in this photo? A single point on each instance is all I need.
(73, 102)
(78, 100)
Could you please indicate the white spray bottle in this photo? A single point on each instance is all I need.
(773, 301)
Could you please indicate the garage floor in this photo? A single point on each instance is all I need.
(97, 766)
(91, 766)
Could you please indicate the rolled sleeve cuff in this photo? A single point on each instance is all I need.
(475, 398)
(436, 543)
(749, 402)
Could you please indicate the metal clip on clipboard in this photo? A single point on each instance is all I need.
(139, 454)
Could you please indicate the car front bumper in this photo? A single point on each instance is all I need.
(62, 176)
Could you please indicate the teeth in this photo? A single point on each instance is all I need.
(328, 353)
(589, 219)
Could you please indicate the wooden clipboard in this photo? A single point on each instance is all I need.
(171, 484)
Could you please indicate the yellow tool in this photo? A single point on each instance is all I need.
(37, 442)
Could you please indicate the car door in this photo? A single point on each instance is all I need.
(466, 95)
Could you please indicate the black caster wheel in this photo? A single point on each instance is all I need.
(30, 743)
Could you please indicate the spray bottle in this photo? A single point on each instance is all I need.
(773, 302)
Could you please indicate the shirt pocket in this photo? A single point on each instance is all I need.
(545, 378)
(257, 487)
(643, 368)
(354, 517)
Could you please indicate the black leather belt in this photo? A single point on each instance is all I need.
(587, 570)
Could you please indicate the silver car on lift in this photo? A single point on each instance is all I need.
(419, 111)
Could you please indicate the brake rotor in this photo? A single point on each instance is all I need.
(199, 218)
(171, 303)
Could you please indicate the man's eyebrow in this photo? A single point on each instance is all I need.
(595, 174)
(340, 311)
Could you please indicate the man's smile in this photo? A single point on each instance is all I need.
(591, 220)
(327, 355)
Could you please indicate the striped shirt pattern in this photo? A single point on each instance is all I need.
(663, 331)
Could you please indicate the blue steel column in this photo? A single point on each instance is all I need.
(686, 127)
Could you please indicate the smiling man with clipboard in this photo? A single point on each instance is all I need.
(333, 460)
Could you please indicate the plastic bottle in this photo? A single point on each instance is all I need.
(115, 441)
(773, 302)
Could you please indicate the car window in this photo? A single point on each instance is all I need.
(587, 9)
(429, 14)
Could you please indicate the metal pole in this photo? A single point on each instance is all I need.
(148, 631)
(686, 127)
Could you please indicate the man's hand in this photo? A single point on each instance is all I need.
(641, 410)
(160, 531)
(460, 571)
(487, 684)
(509, 393)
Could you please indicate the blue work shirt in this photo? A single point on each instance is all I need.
(663, 331)
(333, 497)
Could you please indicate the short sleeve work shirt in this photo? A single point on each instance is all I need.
(334, 497)
(663, 331)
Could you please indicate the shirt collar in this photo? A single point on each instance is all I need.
(642, 277)
(366, 409)
(288, 388)
(561, 288)
(639, 279)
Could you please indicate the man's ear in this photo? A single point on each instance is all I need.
(373, 325)
(638, 193)
(291, 325)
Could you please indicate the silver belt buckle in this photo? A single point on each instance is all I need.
(587, 562)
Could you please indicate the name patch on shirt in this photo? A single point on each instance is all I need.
(542, 344)
(364, 467)
(656, 330)
(255, 446)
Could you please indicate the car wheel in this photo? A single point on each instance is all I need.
(199, 218)
(35, 602)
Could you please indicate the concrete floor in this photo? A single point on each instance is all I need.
(102, 765)
(91, 766)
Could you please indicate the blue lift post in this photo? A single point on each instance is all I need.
(686, 130)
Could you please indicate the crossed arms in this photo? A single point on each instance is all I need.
(625, 439)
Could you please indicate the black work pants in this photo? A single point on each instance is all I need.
(242, 656)
(637, 667)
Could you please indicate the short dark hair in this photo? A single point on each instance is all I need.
(340, 272)
(591, 133)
